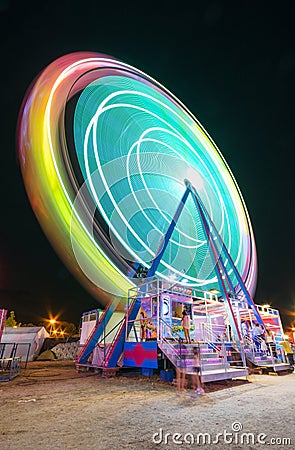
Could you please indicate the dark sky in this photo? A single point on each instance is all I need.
(231, 62)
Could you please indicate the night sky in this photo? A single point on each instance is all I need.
(231, 63)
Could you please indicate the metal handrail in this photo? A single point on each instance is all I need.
(168, 341)
(153, 287)
(241, 351)
(177, 355)
(125, 320)
(221, 351)
(171, 328)
(206, 327)
(138, 321)
(109, 332)
(250, 342)
(108, 351)
(174, 351)
(92, 333)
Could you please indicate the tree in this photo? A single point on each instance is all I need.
(69, 329)
(10, 321)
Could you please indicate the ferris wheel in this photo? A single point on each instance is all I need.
(106, 152)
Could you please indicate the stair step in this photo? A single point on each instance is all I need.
(189, 355)
(170, 350)
(208, 362)
(215, 375)
(190, 346)
(203, 361)
(263, 362)
(206, 367)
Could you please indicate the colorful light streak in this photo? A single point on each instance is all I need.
(130, 147)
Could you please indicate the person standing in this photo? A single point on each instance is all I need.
(228, 328)
(197, 385)
(142, 327)
(180, 370)
(186, 323)
(256, 336)
(244, 329)
(269, 338)
(288, 351)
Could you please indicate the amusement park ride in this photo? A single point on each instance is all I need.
(138, 201)
(226, 349)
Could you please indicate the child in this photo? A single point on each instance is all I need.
(197, 370)
(180, 375)
(180, 370)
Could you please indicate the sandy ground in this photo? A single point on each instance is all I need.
(50, 406)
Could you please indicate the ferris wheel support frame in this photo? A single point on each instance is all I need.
(218, 257)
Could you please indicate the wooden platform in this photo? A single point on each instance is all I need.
(107, 372)
(87, 368)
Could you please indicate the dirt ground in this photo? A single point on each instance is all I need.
(51, 406)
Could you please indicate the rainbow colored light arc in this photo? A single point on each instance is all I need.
(104, 151)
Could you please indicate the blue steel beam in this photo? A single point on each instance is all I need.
(163, 245)
(97, 333)
(230, 260)
(117, 345)
(218, 264)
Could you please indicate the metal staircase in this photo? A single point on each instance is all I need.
(213, 366)
(214, 362)
(266, 361)
(115, 349)
(96, 333)
(111, 352)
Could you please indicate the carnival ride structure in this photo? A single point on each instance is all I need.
(126, 183)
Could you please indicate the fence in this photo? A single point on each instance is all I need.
(9, 368)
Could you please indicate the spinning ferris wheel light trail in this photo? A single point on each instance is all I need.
(104, 150)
